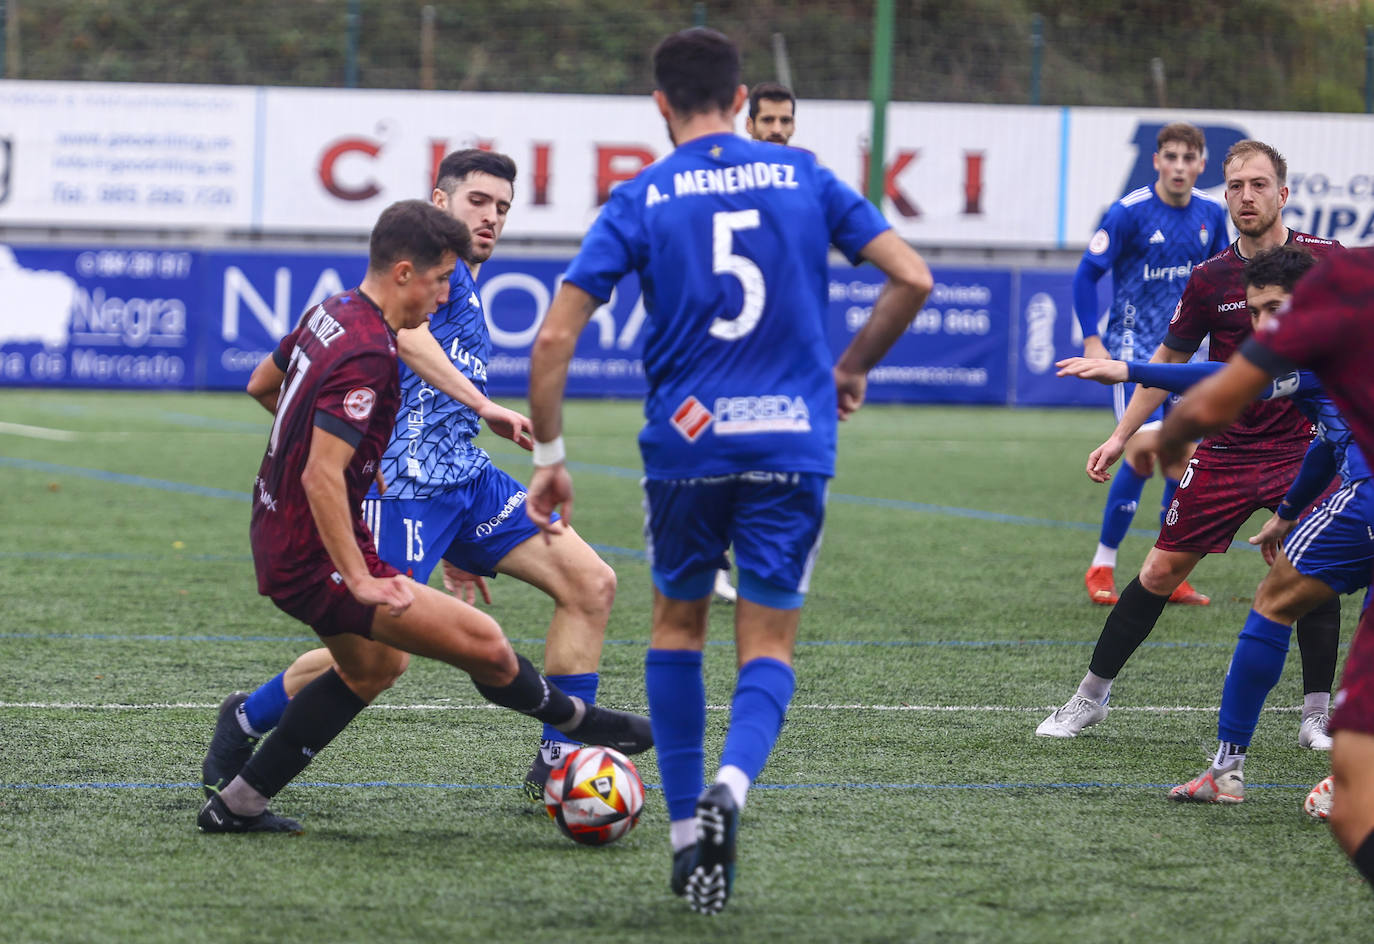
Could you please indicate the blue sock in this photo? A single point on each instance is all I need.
(1255, 668)
(265, 705)
(1122, 498)
(762, 695)
(1170, 486)
(583, 685)
(677, 713)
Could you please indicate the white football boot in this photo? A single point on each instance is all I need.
(1076, 714)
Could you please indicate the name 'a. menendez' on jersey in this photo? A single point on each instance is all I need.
(736, 288)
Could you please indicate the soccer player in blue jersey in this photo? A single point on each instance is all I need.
(730, 239)
(1150, 239)
(445, 502)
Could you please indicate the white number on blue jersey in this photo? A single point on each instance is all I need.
(295, 371)
(723, 260)
(415, 544)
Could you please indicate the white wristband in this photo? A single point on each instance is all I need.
(549, 453)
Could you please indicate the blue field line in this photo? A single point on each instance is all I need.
(715, 643)
(407, 785)
(120, 478)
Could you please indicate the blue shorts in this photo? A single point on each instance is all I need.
(472, 526)
(773, 519)
(1335, 543)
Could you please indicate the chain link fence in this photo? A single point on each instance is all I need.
(1249, 54)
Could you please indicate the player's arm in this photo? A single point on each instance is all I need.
(424, 355)
(265, 383)
(908, 286)
(551, 485)
(1143, 403)
(327, 492)
(1212, 405)
(1085, 281)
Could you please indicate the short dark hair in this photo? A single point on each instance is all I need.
(1281, 266)
(417, 231)
(769, 91)
(1184, 133)
(456, 166)
(1249, 148)
(697, 70)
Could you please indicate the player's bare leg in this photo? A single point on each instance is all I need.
(1352, 802)
(582, 587)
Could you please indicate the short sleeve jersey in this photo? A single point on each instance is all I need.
(340, 365)
(1328, 328)
(1151, 248)
(731, 238)
(432, 446)
(1213, 303)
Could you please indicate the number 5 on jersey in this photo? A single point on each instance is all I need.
(724, 260)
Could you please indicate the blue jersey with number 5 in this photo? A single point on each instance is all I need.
(730, 238)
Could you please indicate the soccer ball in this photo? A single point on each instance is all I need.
(596, 796)
(1318, 802)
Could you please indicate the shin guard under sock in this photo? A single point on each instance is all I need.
(1129, 622)
(313, 718)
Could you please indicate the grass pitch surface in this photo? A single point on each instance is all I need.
(907, 800)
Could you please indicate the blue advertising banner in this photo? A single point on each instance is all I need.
(1048, 332)
(97, 317)
(955, 350)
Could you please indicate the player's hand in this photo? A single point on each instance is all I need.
(381, 481)
(509, 424)
(1103, 458)
(1271, 535)
(1104, 370)
(465, 586)
(850, 388)
(1094, 348)
(394, 593)
(550, 490)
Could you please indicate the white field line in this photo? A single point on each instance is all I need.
(931, 709)
(38, 432)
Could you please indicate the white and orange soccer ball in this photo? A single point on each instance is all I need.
(1318, 802)
(596, 796)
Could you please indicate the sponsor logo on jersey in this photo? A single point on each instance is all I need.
(1156, 237)
(491, 524)
(691, 418)
(265, 497)
(1235, 305)
(1166, 273)
(1099, 243)
(358, 402)
(773, 413)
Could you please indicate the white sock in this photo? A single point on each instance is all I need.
(1105, 556)
(682, 833)
(1095, 687)
(1315, 703)
(737, 780)
(1229, 756)
(554, 752)
(241, 717)
(242, 799)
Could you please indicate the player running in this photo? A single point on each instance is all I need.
(1150, 239)
(730, 239)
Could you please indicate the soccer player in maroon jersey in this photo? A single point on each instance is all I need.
(1233, 474)
(333, 385)
(1329, 329)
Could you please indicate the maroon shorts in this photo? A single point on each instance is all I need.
(1353, 707)
(329, 609)
(1218, 494)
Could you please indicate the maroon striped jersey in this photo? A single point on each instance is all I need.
(341, 376)
(1213, 303)
(1328, 328)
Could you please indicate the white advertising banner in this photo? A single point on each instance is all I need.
(282, 160)
(1330, 172)
(135, 156)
